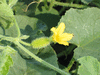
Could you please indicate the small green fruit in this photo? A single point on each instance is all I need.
(40, 42)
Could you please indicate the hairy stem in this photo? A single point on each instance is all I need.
(40, 60)
(24, 43)
(66, 4)
(17, 28)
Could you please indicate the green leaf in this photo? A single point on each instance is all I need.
(32, 27)
(96, 3)
(20, 8)
(36, 68)
(27, 25)
(86, 1)
(5, 62)
(85, 27)
(50, 17)
(19, 65)
(2, 1)
(6, 16)
(42, 10)
(89, 66)
(11, 63)
(11, 3)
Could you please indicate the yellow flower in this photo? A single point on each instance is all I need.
(59, 36)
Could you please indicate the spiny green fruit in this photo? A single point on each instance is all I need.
(40, 42)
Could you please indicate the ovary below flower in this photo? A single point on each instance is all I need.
(59, 36)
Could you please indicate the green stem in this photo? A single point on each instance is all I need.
(77, 64)
(24, 43)
(6, 38)
(76, 70)
(71, 63)
(68, 50)
(17, 28)
(66, 4)
(2, 47)
(51, 4)
(73, 71)
(45, 4)
(40, 60)
(63, 67)
(69, 4)
(31, 4)
(77, 1)
(72, 1)
(63, 9)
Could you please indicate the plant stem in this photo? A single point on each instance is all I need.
(40, 60)
(17, 28)
(68, 50)
(71, 63)
(66, 4)
(69, 4)
(2, 47)
(63, 9)
(30, 4)
(24, 43)
(45, 4)
(77, 64)
(51, 4)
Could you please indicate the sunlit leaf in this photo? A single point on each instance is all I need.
(89, 66)
(86, 1)
(3, 1)
(6, 16)
(12, 2)
(84, 24)
(11, 63)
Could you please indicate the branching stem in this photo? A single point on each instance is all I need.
(40, 60)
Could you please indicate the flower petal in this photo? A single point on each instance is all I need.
(66, 37)
(53, 29)
(60, 28)
(64, 43)
(59, 36)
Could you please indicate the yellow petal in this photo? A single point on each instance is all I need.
(59, 36)
(60, 28)
(66, 37)
(64, 43)
(53, 29)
